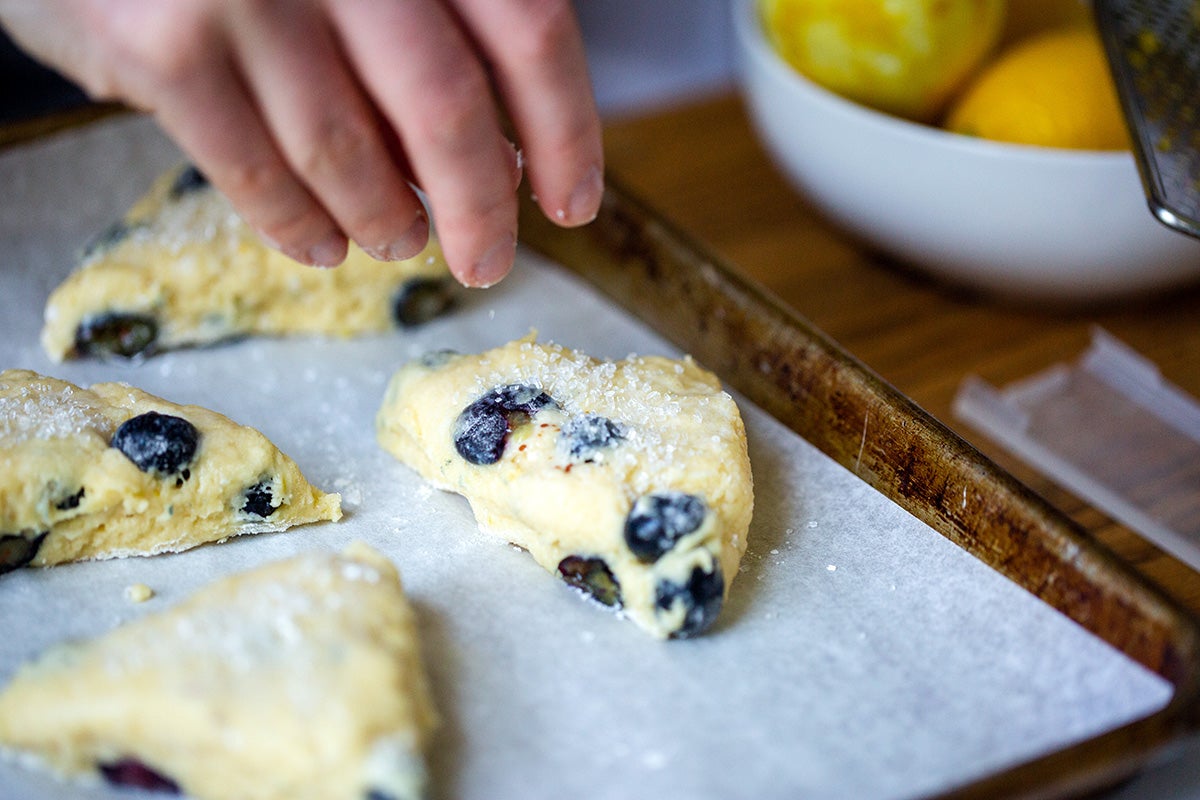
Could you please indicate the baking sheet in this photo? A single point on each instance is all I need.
(860, 654)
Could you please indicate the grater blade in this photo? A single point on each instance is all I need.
(1153, 48)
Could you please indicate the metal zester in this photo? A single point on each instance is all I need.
(1153, 48)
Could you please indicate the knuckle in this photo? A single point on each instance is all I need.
(166, 50)
(484, 208)
(336, 146)
(270, 200)
(268, 196)
(547, 25)
(256, 181)
(453, 112)
(341, 152)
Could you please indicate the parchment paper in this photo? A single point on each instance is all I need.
(860, 653)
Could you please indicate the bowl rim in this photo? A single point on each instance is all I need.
(749, 33)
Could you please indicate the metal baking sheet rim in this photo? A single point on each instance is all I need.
(816, 389)
(788, 367)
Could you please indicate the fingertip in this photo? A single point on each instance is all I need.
(327, 252)
(491, 267)
(583, 203)
(409, 245)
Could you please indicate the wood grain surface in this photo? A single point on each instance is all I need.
(702, 167)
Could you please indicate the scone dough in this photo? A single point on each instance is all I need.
(113, 471)
(628, 479)
(299, 680)
(183, 269)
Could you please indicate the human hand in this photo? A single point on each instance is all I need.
(315, 116)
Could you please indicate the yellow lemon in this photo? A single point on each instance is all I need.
(905, 57)
(1052, 89)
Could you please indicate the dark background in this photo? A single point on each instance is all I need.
(27, 89)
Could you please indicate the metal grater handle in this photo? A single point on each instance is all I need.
(1153, 48)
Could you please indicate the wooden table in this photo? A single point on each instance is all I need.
(702, 166)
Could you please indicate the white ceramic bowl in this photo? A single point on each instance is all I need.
(1028, 222)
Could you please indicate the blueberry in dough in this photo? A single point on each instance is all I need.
(70, 501)
(109, 237)
(481, 430)
(592, 576)
(419, 300)
(116, 334)
(702, 596)
(258, 500)
(16, 551)
(587, 434)
(658, 520)
(380, 794)
(157, 442)
(437, 358)
(480, 433)
(134, 774)
(190, 180)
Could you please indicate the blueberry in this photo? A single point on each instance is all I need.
(592, 576)
(133, 773)
(380, 794)
(480, 433)
(258, 500)
(437, 358)
(585, 435)
(116, 334)
(657, 521)
(481, 430)
(421, 299)
(16, 551)
(189, 180)
(70, 501)
(110, 237)
(158, 442)
(701, 596)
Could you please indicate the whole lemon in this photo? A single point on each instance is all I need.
(905, 57)
(1052, 89)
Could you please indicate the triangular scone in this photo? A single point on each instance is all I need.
(113, 471)
(628, 479)
(183, 269)
(300, 679)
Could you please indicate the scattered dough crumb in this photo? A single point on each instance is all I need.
(138, 593)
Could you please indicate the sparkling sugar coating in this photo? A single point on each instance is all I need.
(569, 471)
(68, 492)
(182, 269)
(300, 679)
(48, 409)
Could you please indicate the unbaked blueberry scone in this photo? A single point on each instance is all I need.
(299, 680)
(629, 479)
(183, 269)
(112, 471)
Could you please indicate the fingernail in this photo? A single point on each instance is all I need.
(329, 252)
(410, 243)
(494, 264)
(584, 202)
(415, 238)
